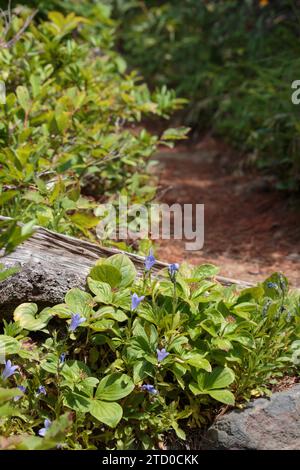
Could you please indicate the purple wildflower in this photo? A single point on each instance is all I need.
(76, 320)
(8, 370)
(149, 388)
(136, 300)
(62, 358)
(149, 261)
(272, 285)
(161, 354)
(41, 391)
(22, 389)
(47, 424)
(173, 268)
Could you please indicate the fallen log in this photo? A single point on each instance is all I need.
(51, 263)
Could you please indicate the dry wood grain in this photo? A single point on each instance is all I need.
(51, 263)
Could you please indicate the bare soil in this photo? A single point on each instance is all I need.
(251, 228)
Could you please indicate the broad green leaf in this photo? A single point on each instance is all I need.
(8, 345)
(111, 313)
(106, 273)
(102, 325)
(77, 401)
(197, 361)
(114, 387)
(122, 299)
(7, 196)
(75, 371)
(224, 396)
(126, 267)
(102, 291)
(107, 413)
(26, 315)
(220, 377)
(78, 301)
(204, 271)
(8, 393)
(8, 410)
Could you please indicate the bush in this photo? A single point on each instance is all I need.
(121, 365)
(70, 135)
(235, 62)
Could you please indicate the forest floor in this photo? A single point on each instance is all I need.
(251, 228)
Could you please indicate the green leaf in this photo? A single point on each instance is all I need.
(126, 267)
(220, 377)
(122, 299)
(102, 291)
(197, 361)
(204, 271)
(7, 196)
(107, 413)
(114, 387)
(23, 98)
(8, 393)
(177, 133)
(26, 315)
(106, 273)
(8, 345)
(77, 401)
(224, 396)
(78, 301)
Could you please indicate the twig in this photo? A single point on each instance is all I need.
(8, 20)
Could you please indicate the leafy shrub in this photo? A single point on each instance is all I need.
(120, 365)
(235, 62)
(69, 132)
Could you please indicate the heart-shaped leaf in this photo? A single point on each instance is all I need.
(26, 315)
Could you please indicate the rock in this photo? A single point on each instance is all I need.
(265, 424)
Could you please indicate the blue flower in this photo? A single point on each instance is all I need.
(8, 370)
(76, 320)
(173, 268)
(41, 391)
(149, 388)
(161, 354)
(62, 358)
(136, 300)
(149, 261)
(272, 285)
(47, 424)
(23, 390)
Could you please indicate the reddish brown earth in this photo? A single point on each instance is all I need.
(251, 228)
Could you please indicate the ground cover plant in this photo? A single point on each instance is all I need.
(69, 135)
(133, 357)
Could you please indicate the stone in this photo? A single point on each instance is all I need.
(265, 424)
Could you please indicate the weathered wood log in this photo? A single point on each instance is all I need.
(51, 263)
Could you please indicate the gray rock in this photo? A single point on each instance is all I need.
(265, 424)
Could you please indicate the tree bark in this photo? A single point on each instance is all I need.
(51, 264)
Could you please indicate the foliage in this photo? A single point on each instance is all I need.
(133, 358)
(70, 136)
(235, 61)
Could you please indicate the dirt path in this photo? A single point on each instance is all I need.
(251, 229)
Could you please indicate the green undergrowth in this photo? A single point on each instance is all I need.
(133, 357)
(70, 133)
